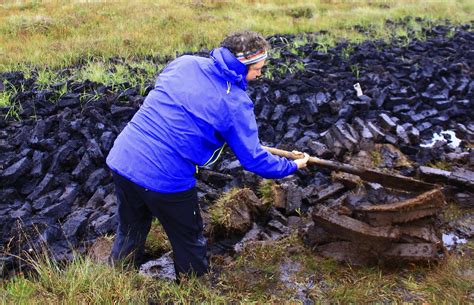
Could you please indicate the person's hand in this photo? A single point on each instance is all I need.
(302, 160)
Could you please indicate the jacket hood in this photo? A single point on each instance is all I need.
(231, 68)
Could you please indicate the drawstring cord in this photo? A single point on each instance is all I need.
(208, 162)
(228, 87)
(218, 156)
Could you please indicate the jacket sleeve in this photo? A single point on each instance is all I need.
(241, 134)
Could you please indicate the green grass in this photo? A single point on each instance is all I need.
(139, 75)
(5, 98)
(157, 242)
(255, 275)
(45, 77)
(60, 33)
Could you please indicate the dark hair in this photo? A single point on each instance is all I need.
(245, 42)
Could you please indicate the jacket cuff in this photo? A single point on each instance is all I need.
(295, 167)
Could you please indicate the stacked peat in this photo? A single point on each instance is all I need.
(357, 229)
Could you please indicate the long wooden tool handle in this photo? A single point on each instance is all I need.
(316, 161)
(371, 175)
(282, 153)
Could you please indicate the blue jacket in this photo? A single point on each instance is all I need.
(197, 105)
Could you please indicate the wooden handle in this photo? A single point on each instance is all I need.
(283, 153)
(293, 156)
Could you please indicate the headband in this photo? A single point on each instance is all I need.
(252, 57)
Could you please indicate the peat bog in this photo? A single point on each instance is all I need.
(57, 191)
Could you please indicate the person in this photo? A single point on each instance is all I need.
(196, 106)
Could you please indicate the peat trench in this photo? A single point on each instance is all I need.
(414, 109)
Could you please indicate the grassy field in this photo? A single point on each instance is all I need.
(276, 273)
(59, 33)
(39, 37)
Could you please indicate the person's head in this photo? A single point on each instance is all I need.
(250, 48)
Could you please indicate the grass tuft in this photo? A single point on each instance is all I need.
(220, 211)
(5, 98)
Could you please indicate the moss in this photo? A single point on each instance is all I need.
(444, 165)
(453, 211)
(376, 157)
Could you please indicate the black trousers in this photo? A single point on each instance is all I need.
(178, 213)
